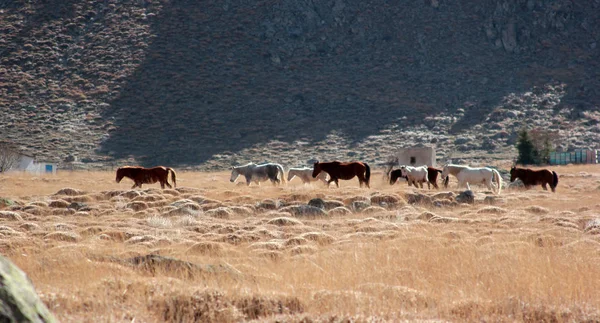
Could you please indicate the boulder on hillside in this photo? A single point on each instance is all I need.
(19, 301)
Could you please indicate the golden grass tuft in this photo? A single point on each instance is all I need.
(283, 221)
(137, 206)
(491, 210)
(10, 215)
(219, 213)
(63, 236)
(318, 237)
(339, 211)
(241, 210)
(70, 192)
(206, 248)
(426, 216)
(29, 226)
(350, 200)
(380, 199)
(34, 210)
(536, 209)
(59, 204)
(80, 199)
(303, 249)
(373, 210)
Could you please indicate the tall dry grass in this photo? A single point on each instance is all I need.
(534, 256)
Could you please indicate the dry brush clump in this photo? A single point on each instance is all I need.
(10, 215)
(214, 306)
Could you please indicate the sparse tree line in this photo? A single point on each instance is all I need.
(534, 146)
(9, 156)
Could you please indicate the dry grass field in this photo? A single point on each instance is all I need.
(212, 250)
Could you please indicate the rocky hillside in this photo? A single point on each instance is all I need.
(213, 83)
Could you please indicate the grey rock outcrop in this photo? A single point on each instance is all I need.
(19, 301)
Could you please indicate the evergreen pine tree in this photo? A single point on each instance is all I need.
(527, 151)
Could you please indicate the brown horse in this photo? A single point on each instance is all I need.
(531, 177)
(141, 175)
(432, 175)
(340, 170)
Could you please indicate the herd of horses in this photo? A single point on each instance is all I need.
(329, 172)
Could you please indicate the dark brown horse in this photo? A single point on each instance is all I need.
(141, 175)
(340, 170)
(432, 175)
(531, 177)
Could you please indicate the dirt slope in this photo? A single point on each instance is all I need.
(214, 83)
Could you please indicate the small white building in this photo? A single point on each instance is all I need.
(29, 164)
(416, 156)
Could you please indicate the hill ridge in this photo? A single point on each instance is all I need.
(208, 84)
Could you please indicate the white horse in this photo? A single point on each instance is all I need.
(259, 173)
(415, 175)
(473, 175)
(305, 174)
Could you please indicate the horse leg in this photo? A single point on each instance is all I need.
(166, 181)
(337, 183)
(544, 187)
(361, 181)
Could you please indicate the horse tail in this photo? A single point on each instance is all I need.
(554, 180)
(173, 176)
(367, 173)
(281, 172)
(498, 180)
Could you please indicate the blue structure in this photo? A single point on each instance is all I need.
(578, 156)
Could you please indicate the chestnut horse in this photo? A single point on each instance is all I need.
(344, 170)
(141, 175)
(531, 177)
(432, 175)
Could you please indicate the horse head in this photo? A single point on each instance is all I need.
(394, 175)
(392, 179)
(513, 174)
(120, 174)
(291, 175)
(316, 169)
(234, 174)
(403, 171)
(445, 172)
